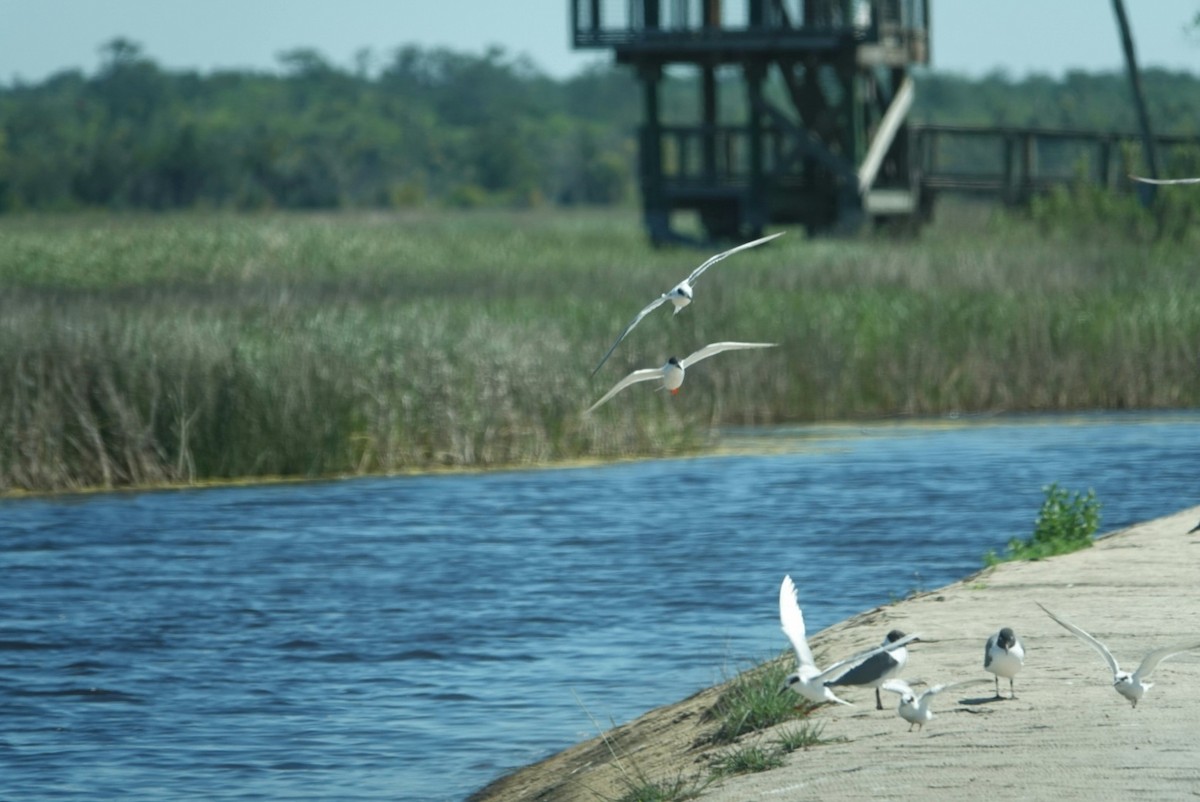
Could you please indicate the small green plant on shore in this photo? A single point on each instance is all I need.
(637, 785)
(753, 702)
(747, 760)
(676, 790)
(1066, 523)
(802, 737)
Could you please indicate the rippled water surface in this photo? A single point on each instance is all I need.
(413, 638)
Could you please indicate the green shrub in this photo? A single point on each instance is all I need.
(1066, 523)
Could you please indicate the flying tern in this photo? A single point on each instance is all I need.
(1132, 686)
(1165, 181)
(809, 680)
(1003, 656)
(884, 664)
(672, 372)
(915, 709)
(681, 294)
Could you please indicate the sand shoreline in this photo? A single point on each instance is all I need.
(1068, 735)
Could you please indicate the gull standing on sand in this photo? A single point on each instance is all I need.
(1132, 686)
(672, 372)
(882, 666)
(1003, 656)
(681, 294)
(809, 681)
(915, 709)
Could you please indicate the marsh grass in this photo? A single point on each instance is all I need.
(143, 350)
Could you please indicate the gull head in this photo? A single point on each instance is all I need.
(1006, 640)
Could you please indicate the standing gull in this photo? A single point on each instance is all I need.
(809, 681)
(1003, 656)
(1132, 686)
(915, 709)
(881, 666)
(672, 372)
(681, 294)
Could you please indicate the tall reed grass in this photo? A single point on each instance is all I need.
(146, 350)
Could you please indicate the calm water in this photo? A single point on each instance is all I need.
(413, 638)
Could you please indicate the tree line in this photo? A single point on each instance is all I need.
(427, 126)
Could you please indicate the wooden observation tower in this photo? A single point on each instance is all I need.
(820, 135)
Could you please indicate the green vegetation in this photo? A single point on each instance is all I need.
(675, 790)
(141, 349)
(426, 128)
(804, 736)
(1066, 522)
(747, 760)
(753, 702)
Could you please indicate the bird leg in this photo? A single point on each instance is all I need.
(1012, 691)
(879, 701)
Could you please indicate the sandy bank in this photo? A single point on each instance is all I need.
(1068, 735)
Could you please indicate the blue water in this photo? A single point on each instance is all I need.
(414, 638)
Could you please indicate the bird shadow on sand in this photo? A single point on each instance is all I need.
(984, 700)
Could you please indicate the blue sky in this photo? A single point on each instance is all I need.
(40, 37)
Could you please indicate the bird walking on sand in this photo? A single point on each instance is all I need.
(915, 709)
(681, 294)
(1132, 686)
(809, 680)
(672, 373)
(1003, 656)
(886, 663)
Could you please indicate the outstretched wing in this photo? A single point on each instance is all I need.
(1086, 638)
(945, 686)
(897, 686)
(699, 271)
(839, 671)
(716, 348)
(1151, 661)
(1165, 181)
(643, 375)
(792, 622)
(650, 307)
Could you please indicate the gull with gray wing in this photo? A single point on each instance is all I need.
(1132, 686)
(809, 680)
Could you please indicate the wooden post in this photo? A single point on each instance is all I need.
(1145, 191)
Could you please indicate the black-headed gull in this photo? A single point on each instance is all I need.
(915, 709)
(1132, 686)
(681, 294)
(1003, 656)
(672, 372)
(809, 680)
(1165, 181)
(887, 663)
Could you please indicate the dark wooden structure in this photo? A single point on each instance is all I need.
(1015, 164)
(823, 140)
